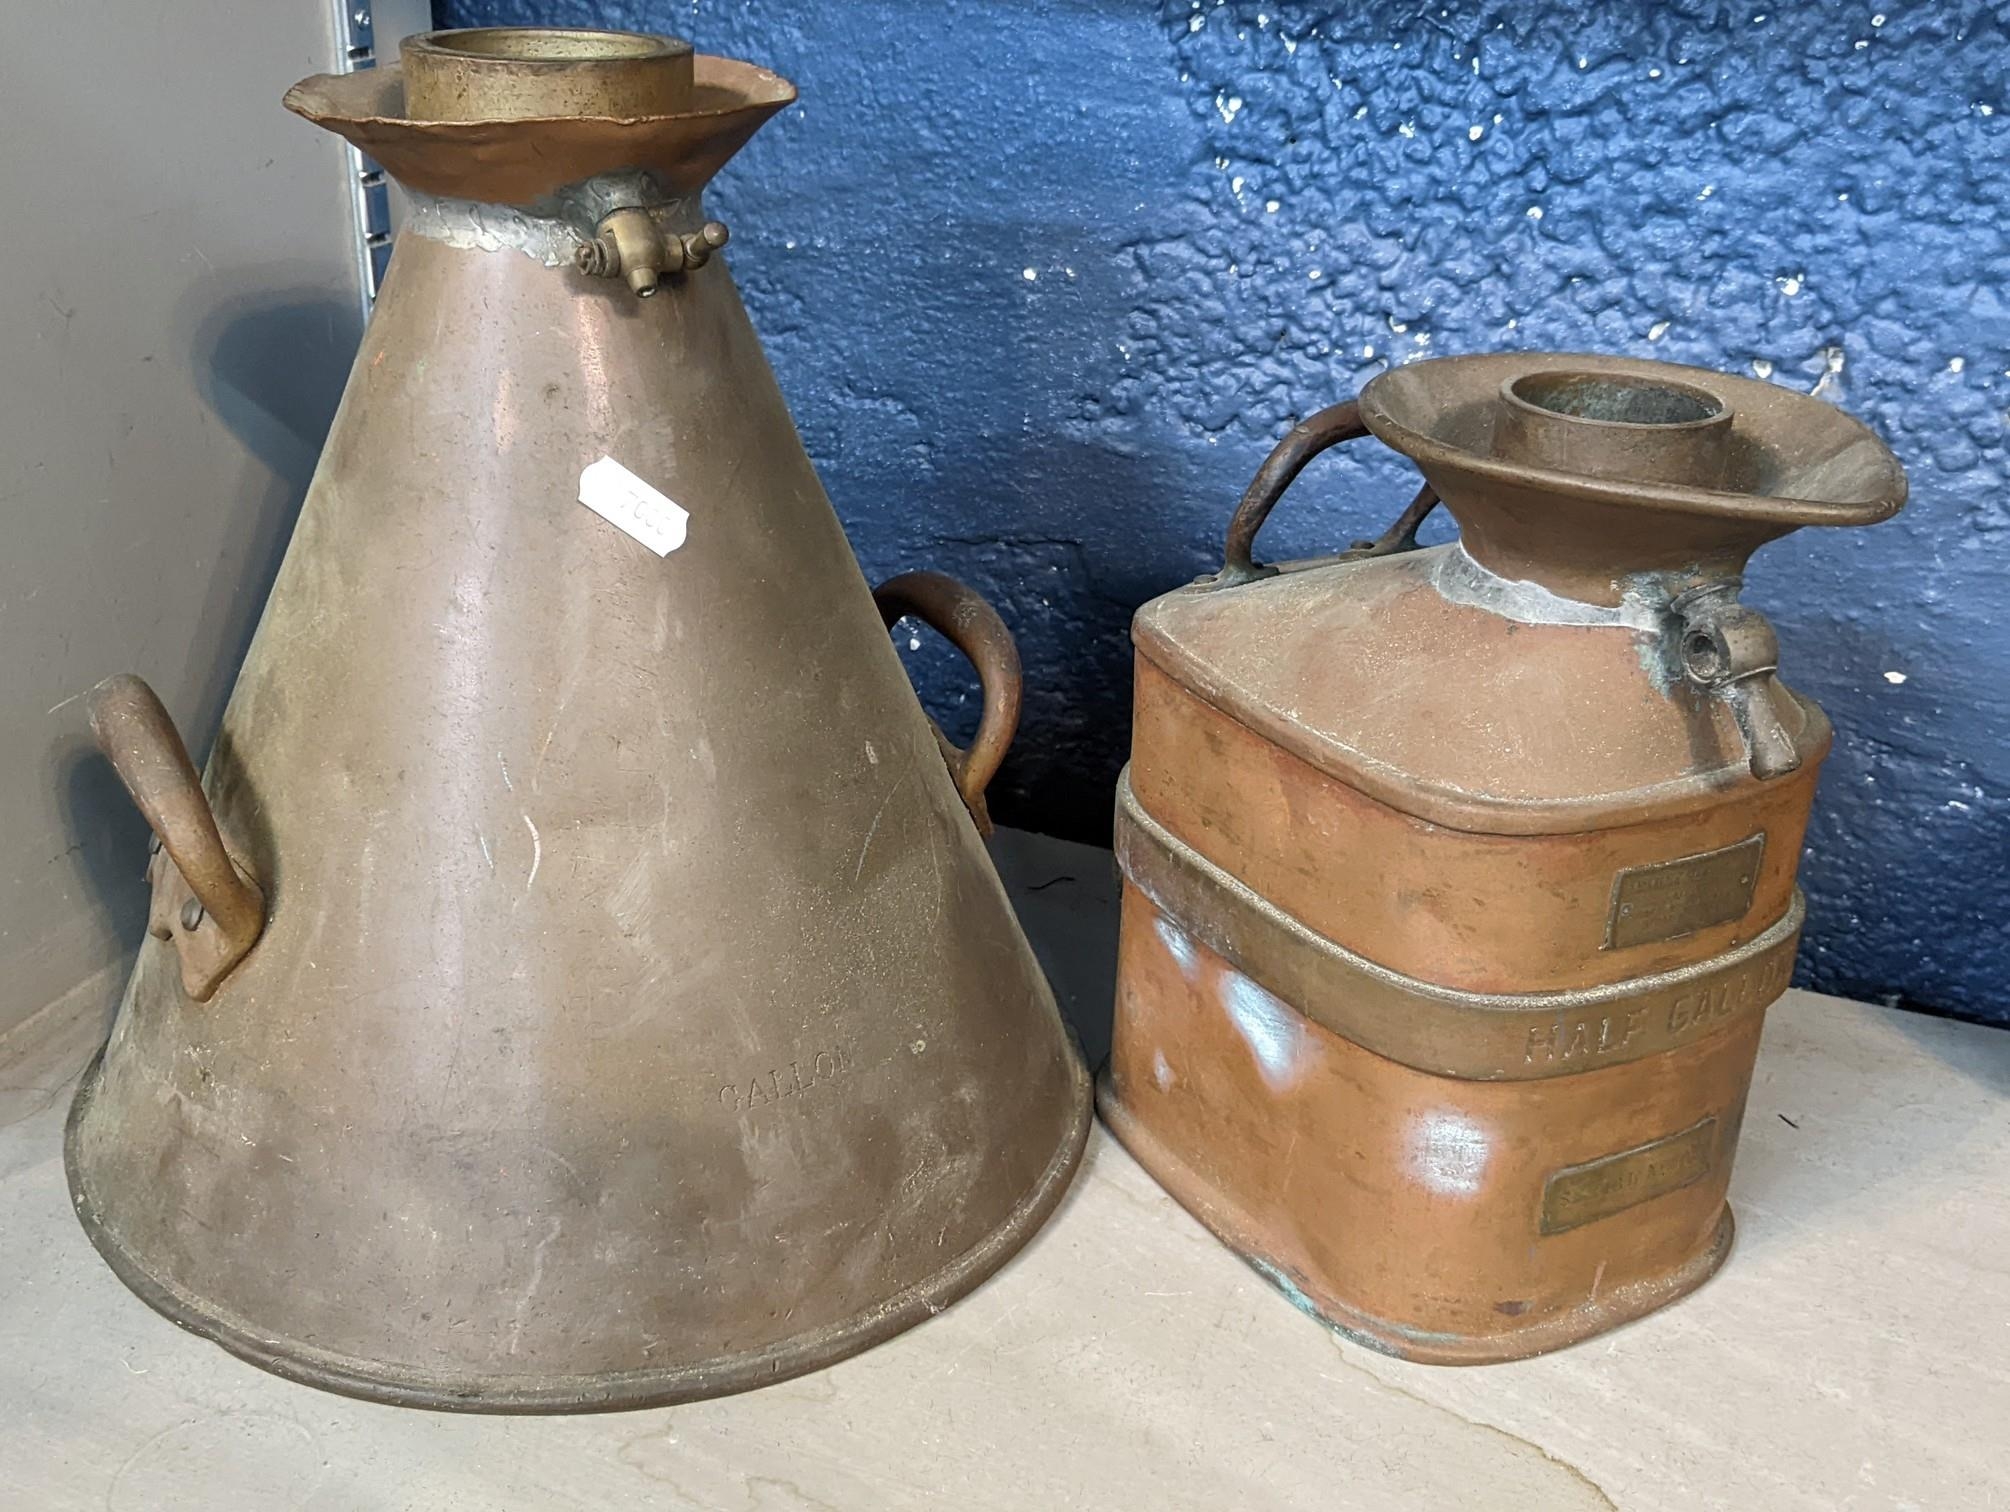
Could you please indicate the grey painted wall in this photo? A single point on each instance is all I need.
(181, 306)
(1043, 281)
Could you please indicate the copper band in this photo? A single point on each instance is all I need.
(1473, 1035)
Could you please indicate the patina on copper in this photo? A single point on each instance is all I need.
(1457, 880)
(576, 980)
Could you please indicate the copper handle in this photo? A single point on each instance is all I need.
(140, 740)
(974, 628)
(1306, 440)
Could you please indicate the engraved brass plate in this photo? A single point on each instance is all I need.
(1672, 898)
(1581, 1194)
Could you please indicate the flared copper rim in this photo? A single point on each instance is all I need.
(523, 161)
(1418, 409)
(721, 87)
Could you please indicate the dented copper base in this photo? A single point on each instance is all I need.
(1445, 1220)
(1306, 1292)
(375, 1380)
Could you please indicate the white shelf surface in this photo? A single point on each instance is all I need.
(1853, 1354)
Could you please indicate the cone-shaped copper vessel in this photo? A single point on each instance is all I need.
(592, 990)
(1458, 880)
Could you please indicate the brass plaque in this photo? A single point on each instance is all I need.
(1581, 1194)
(1672, 898)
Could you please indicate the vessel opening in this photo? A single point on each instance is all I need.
(527, 44)
(525, 73)
(1617, 399)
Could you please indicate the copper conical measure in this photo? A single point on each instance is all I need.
(592, 989)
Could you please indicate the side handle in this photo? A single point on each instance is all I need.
(974, 628)
(1307, 439)
(203, 902)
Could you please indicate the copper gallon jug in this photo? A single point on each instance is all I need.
(1458, 880)
(576, 981)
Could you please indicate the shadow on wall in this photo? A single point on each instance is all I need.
(110, 837)
(1061, 596)
(271, 366)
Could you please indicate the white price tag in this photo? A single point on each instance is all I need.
(629, 504)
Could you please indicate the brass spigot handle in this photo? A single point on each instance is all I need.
(699, 245)
(1306, 440)
(211, 910)
(971, 625)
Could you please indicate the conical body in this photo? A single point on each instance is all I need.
(638, 1015)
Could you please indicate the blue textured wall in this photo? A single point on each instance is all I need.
(1044, 281)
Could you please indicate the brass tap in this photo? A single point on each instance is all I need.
(1729, 649)
(630, 244)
